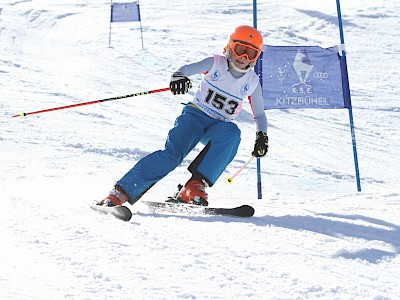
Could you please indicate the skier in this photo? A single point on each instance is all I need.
(227, 80)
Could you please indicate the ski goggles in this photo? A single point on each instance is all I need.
(241, 49)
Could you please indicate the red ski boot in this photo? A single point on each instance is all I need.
(194, 193)
(116, 197)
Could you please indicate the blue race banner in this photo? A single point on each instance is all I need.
(125, 12)
(303, 77)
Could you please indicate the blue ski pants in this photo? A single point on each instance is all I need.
(191, 127)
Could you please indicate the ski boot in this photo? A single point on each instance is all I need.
(116, 197)
(192, 193)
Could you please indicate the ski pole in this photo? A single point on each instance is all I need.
(230, 178)
(90, 102)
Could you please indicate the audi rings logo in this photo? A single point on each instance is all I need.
(320, 75)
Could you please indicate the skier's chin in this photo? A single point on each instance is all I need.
(240, 64)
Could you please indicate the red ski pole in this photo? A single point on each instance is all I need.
(90, 102)
(230, 178)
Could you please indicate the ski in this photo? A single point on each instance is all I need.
(244, 211)
(124, 213)
(120, 212)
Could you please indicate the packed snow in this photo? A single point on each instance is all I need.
(313, 235)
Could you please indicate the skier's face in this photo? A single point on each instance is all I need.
(243, 54)
(240, 63)
(241, 49)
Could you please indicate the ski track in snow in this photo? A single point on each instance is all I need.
(313, 235)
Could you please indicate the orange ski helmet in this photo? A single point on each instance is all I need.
(244, 41)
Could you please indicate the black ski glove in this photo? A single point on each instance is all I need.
(179, 84)
(261, 144)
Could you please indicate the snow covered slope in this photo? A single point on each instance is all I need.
(313, 235)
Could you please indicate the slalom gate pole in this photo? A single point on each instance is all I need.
(90, 102)
(351, 120)
(259, 186)
(230, 178)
